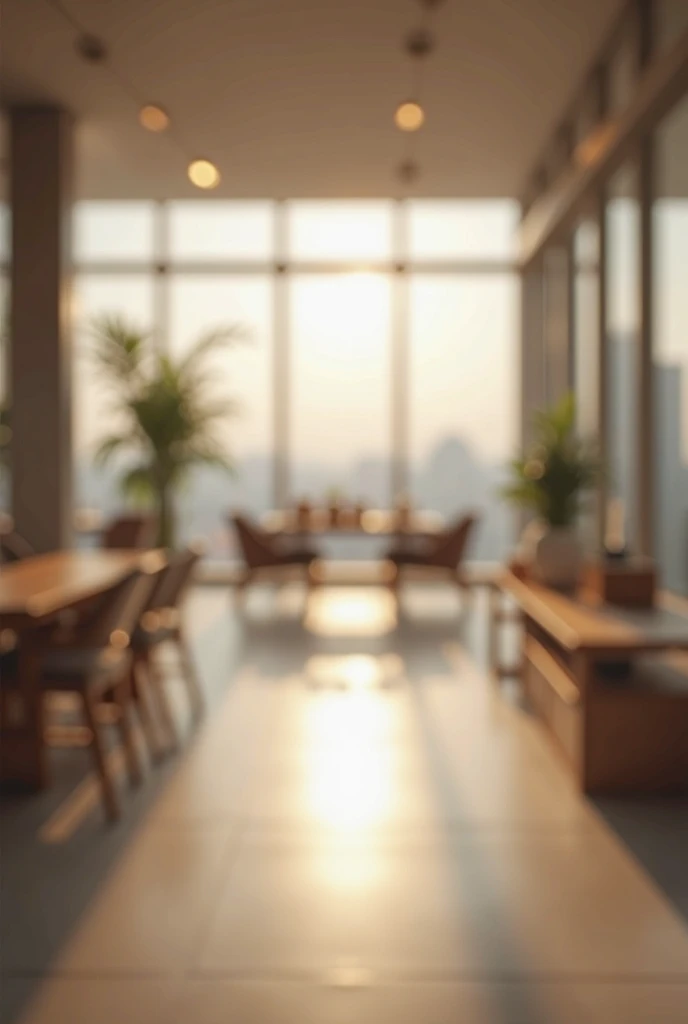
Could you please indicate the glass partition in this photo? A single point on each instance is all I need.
(240, 370)
(342, 379)
(340, 387)
(462, 229)
(462, 402)
(114, 232)
(215, 230)
(670, 241)
(129, 296)
(338, 230)
(622, 340)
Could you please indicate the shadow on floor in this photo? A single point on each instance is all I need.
(656, 832)
(46, 888)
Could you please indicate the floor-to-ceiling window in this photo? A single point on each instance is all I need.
(622, 341)
(670, 304)
(586, 352)
(378, 353)
(4, 349)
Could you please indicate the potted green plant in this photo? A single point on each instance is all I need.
(168, 411)
(550, 479)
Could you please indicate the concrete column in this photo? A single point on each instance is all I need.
(41, 155)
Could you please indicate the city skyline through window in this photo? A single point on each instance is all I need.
(368, 310)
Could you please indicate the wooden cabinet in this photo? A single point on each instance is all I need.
(610, 688)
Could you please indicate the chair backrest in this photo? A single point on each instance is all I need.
(256, 545)
(13, 547)
(130, 531)
(175, 579)
(452, 543)
(120, 610)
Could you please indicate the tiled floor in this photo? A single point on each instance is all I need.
(364, 830)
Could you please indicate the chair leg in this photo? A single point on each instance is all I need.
(159, 694)
(109, 792)
(142, 697)
(124, 700)
(190, 674)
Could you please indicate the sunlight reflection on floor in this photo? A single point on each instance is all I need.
(351, 612)
(350, 784)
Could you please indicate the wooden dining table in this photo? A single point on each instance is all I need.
(33, 592)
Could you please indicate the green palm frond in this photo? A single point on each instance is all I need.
(119, 349)
(553, 476)
(109, 446)
(139, 484)
(217, 338)
(169, 409)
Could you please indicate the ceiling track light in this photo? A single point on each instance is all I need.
(408, 172)
(203, 174)
(419, 43)
(154, 118)
(409, 116)
(91, 48)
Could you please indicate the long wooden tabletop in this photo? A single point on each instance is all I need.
(584, 623)
(373, 522)
(41, 586)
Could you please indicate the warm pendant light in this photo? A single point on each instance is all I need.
(154, 118)
(409, 116)
(204, 174)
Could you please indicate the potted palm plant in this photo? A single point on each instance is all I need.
(169, 415)
(550, 479)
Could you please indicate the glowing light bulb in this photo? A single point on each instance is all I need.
(154, 118)
(409, 116)
(204, 174)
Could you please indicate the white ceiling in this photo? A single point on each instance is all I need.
(295, 97)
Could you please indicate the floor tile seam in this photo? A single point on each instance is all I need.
(234, 845)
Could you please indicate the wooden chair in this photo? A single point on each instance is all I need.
(437, 556)
(94, 660)
(130, 531)
(162, 623)
(13, 547)
(268, 556)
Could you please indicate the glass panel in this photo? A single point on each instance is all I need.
(340, 398)
(114, 231)
(586, 324)
(463, 398)
(243, 371)
(124, 295)
(342, 230)
(623, 312)
(462, 229)
(586, 349)
(4, 396)
(670, 224)
(5, 233)
(216, 229)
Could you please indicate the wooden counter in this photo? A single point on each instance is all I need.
(609, 684)
(32, 592)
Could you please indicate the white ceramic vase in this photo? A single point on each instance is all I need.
(558, 557)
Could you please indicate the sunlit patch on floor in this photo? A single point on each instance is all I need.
(354, 671)
(351, 612)
(350, 778)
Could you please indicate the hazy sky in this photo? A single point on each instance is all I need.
(461, 330)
